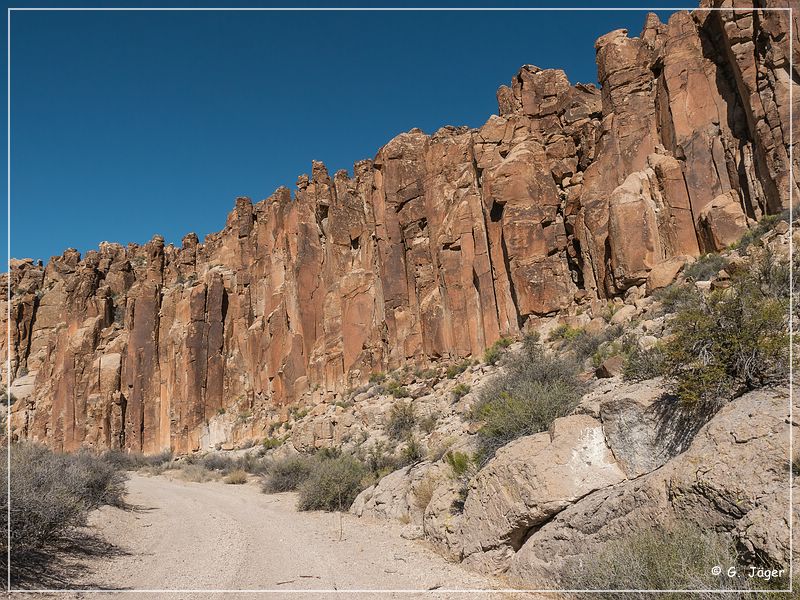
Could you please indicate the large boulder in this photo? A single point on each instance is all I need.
(733, 478)
(531, 480)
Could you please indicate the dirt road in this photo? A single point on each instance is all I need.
(202, 536)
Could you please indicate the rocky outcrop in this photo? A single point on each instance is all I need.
(706, 485)
(436, 248)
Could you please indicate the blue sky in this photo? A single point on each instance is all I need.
(127, 124)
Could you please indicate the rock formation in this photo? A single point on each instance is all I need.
(436, 248)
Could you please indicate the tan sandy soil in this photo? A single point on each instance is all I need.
(203, 536)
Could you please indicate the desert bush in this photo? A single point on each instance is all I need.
(532, 391)
(396, 389)
(455, 370)
(706, 267)
(428, 422)
(380, 459)
(565, 332)
(401, 420)
(495, 352)
(641, 365)
(51, 495)
(332, 485)
(236, 477)
(196, 473)
(272, 442)
(378, 377)
(423, 492)
(131, 461)
(286, 474)
(664, 558)
(459, 391)
(585, 344)
(460, 462)
(764, 225)
(412, 452)
(426, 374)
(728, 341)
(675, 296)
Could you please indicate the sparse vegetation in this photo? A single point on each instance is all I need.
(402, 419)
(378, 377)
(526, 398)
(286, 475)
(396, 389)
(565, 332)
(332, 485)
(132, 461)
(495, 352)
(51, 495)
(271, 442)
(412, 452)
(423, 493)
(460, 462)
(428, 422)
(664, 558)
(459, 391)
(764, 225)
(706, 267)
(196, 473)
(455, 370)
(726, 342)
(236, 477)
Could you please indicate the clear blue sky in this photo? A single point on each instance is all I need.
(128, 124)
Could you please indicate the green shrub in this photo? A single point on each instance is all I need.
(51, 495)
(706, 267)
(586, 344)
(565, 332)
(666, 558)
(378, 377)
(401, 420)
(641, 365)
(675, 296)
(459, 391)
(396, 389)
(728, 341)
(413, 452)
(426, 374)
(763, 226)
(271, 442)
(332, 485)
(534, 389)
(459, 462)
(380, 459)
(455, 370)
(495, 352)
(286, 474)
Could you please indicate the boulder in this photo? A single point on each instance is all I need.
(531, 480)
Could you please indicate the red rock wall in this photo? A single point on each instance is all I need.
(435, 248)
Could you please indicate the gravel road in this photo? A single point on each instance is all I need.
(202, 536)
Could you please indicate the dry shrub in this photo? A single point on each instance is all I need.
(237, 477)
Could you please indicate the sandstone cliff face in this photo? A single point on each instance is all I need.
(434, 249)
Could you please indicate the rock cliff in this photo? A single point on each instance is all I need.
(436, 248)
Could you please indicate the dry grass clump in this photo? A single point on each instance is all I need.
(237, 477)
(197, 473)
(674, 557)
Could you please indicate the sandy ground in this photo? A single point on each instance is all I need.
(202, 536)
